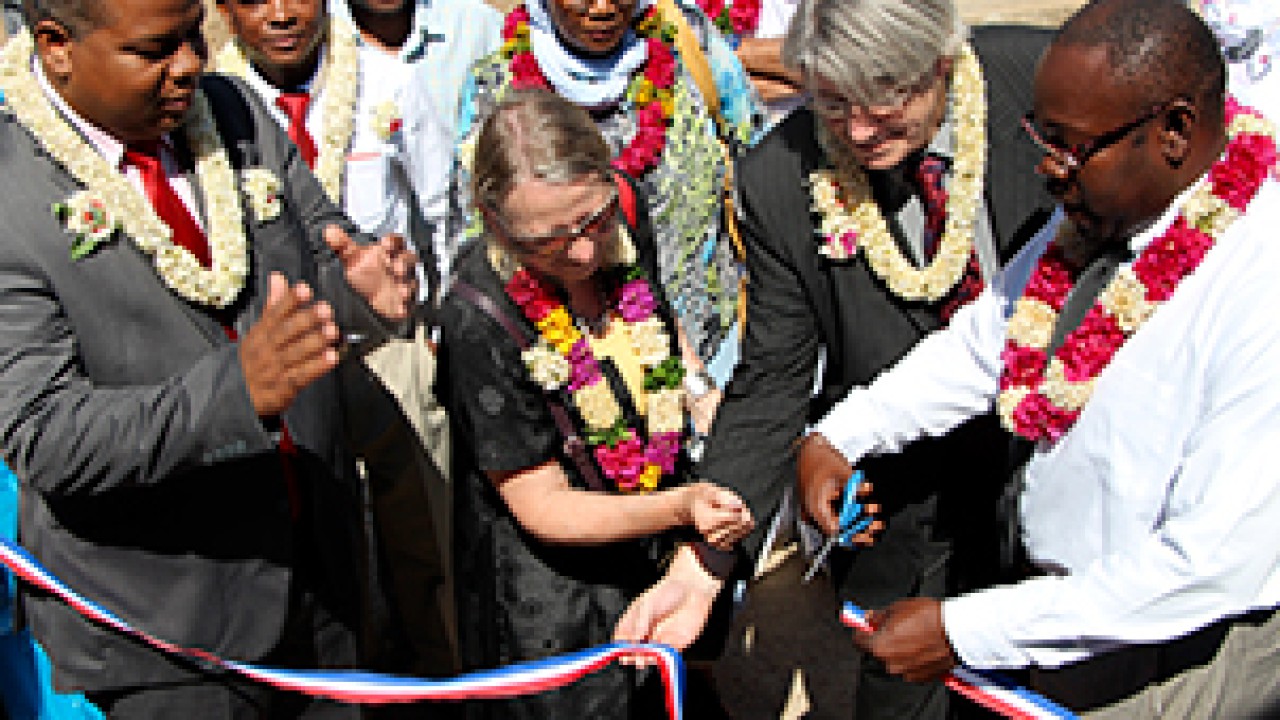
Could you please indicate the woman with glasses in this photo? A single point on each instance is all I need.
(618, 59)
(565, 385)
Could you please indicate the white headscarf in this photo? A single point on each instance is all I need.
(584, 81)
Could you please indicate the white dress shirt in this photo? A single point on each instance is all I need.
(1159, 511)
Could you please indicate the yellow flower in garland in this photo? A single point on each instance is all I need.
(642, 91)
(650, 478)
(557, 328)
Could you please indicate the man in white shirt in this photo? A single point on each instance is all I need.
(1150, 503)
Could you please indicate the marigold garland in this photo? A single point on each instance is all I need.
(650, 90)
(1041, 397)
(562, 360)
(218, 285)
(851, 218)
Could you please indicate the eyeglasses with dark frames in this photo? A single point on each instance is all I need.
(593, 226)
(1070, 158)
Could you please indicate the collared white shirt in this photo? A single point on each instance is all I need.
(112, 150)
(1159, 511)
(424, 78)
(377, 174)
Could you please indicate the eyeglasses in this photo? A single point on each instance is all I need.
(835, 107)
(593, 226)
(1070, 158)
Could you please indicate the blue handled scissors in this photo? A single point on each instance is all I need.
(852, 522)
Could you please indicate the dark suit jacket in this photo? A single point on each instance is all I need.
(148, 482)
(799, 303)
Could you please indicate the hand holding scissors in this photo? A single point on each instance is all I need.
(853, 520)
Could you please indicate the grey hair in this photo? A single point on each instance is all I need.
(77, 16)
(534, 133)
(870, 50)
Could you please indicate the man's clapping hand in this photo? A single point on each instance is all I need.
(383, 273)
(292, 345)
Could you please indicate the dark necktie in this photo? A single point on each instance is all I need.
(929, 181)
(172, 211)
(1089, 284)
(295, 106)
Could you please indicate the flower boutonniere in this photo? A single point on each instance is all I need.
(387, 120)
(262, 187)
(87, 217)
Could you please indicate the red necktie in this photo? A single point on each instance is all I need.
(929, 177)
(294, 106)
(929, 181)
(172, 211)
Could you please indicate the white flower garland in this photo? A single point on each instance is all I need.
(852, 219)
(181, 271)
(339, 80)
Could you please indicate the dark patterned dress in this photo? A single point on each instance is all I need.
(519, 598)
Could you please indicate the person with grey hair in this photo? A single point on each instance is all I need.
(563, 379)
(869, 217)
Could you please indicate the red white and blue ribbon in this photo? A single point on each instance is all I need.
(354, 686)
(989, 690)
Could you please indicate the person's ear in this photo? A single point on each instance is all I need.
(54, 42)
(1176, 130)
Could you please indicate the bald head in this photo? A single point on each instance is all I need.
(1157, 49)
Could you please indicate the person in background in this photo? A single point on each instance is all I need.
(674, 120)
(1130, 348)
(869, 217)
(562, 376)
(177, 291)
(755, 28)
(1249, 32)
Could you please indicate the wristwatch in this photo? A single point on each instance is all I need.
(698, 383)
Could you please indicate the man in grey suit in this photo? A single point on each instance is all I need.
(167, 335)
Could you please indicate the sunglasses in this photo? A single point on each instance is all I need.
(595, 225)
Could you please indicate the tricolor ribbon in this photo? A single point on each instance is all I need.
(989, 690)
(354, 686)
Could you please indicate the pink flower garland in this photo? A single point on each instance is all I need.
(1087, 350)
(631, 464)
(738, 19)
(650, 89)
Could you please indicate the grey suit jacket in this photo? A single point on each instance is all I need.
(148, 482)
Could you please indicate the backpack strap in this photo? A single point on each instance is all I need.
(574, 446)
(695, 61)
(626, 198)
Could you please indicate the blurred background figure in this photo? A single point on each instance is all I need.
(1249, 32)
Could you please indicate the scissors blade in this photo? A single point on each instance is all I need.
(819, 559)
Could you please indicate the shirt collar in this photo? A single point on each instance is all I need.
(416, 44)
(106, 145)
(1143, 237)
(269, 92)
(943, 143)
